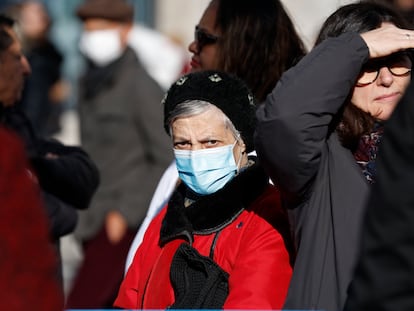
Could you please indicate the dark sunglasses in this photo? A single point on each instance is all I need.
(203, 38)
(399, 64)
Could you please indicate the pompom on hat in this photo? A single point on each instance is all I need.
(116, 10)
(227, 92)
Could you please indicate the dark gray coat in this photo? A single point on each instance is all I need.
(122, 130)
(321, 183)
(384, 274)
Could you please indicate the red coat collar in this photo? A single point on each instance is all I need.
(212, 212)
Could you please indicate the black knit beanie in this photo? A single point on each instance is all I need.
(225, 91)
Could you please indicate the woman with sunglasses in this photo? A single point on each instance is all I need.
(255, 42)
(328, 112)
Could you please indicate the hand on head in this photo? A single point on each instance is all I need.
(388, 39)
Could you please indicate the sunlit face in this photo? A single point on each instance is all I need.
(206, 57)
(381, 96)
(206, 130)
(14, 68)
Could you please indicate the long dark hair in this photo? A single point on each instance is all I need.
(357, 17)
(258, 42)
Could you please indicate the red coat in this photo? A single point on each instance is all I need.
(28, 261)
(250, 246)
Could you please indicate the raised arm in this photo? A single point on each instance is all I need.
(296, 118)
(299, 115)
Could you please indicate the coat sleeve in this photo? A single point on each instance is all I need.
(62, 216)
(296, 118)
(261, 275)
(128, 294)
(71, 176)
(131, 291)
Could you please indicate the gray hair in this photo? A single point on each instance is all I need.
(195, 107)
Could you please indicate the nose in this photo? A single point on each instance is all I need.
(196, 146)
(27, 70)
(193, 47)
(385, 77)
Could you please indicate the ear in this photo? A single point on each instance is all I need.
(242, 146)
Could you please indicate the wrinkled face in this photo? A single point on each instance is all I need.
(380, 97)
(205, 130)
(14, 68)
(205, 55)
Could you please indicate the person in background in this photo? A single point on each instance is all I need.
(66, 175)
(28, 262)
(164, 59)
(318, 136)
(255, 42)
(383, 279)
(223, 240)
(121, 127)
(45, 90)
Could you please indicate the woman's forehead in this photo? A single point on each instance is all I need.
(212, 117)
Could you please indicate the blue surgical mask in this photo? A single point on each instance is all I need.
(207, 170)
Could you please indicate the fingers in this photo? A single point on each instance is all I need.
(388, 39)
(116, 227)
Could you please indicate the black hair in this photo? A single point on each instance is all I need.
(258, 42)
(5, 39)
(358, 17)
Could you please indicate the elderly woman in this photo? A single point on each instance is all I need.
(222, 240)
(223, 41)
(318, 136)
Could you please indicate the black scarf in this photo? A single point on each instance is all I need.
(98, 78)
(197, 280)
(211, 213)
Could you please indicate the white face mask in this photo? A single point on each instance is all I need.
(101, 46)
